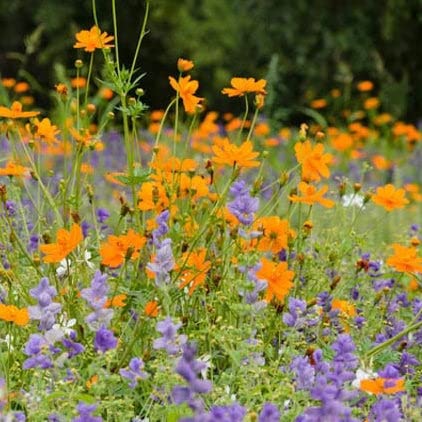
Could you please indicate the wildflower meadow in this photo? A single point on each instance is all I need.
(184, 264)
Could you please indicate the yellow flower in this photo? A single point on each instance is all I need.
(93, 39)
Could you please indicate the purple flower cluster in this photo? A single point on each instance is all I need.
(162, 228)
(257, 285)
(326, 382)
(243, 206)
(189, 368)
(99, 320)
(41, 347)
(163, 263)
(135, 372)
(170, 341)
(46, 310)
(85, 413)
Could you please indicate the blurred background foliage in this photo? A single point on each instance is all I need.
(304, 48)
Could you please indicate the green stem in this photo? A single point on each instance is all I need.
(88, 79)
(392, 340)
(255, 116)
(113, 5)
(141, 37)
(245, 116)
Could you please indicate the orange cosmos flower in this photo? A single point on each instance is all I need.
(313, 160)
(405, 260)
(311, 196)
(186, 88)
(278, 277)
(11, 313)
(21, 87)
(46, 131)
(380, 162)
(67, 241)
(153, 196)
(346, 308)
(116, 301)
(79, 82)
(389, 197)
(231, 155)
(184, 65)
(365, 86)
(117, 249)
(276, 234)
(196, 269)
(318, 103)
(151, 309)
(93, 39)
(241, 86)
(13, 169)
(8, 82)
(15, 112)
(371, 103)
(382, 385)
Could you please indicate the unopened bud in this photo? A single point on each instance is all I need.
(79, 63)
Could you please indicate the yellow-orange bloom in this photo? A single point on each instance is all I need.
(390, 198)
(241, 86)
(15, 112)
(151, 309)
(186, 89)
(196, 269)
(21, 87)
(345, 307)
(11, 313)
(184, 65)
(13, 169)
(117, 301)
(93, 39)
(67, 241)
(365, 86)
(371, 103)
(118, 248)
(276, 234)
(46, 131)
(231, 155)
(318, 103)
(405, 260)
(313, 160)
(278, 277)
(311, 196)
(382, 385)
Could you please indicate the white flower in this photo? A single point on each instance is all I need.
(206, 360)
(353, 200)
(65, 325)
(65, 264)
(8, 340)
(363, 375)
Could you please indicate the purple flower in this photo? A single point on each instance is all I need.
(304, 373)
(189, 368)
(85, 226)
(163, 263)
(102, 215)
(386, 411)
(170, 341)
(297, 308)
(96, 295)
(135, 372)
(231, 413)
(72, 346)
(85, 413)
(162, 229)
(104, 340)
(269, 413)
(243, 205)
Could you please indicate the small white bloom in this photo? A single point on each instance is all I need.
(206, 360)
(363, 375)
(66, 264)
(353, 200)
